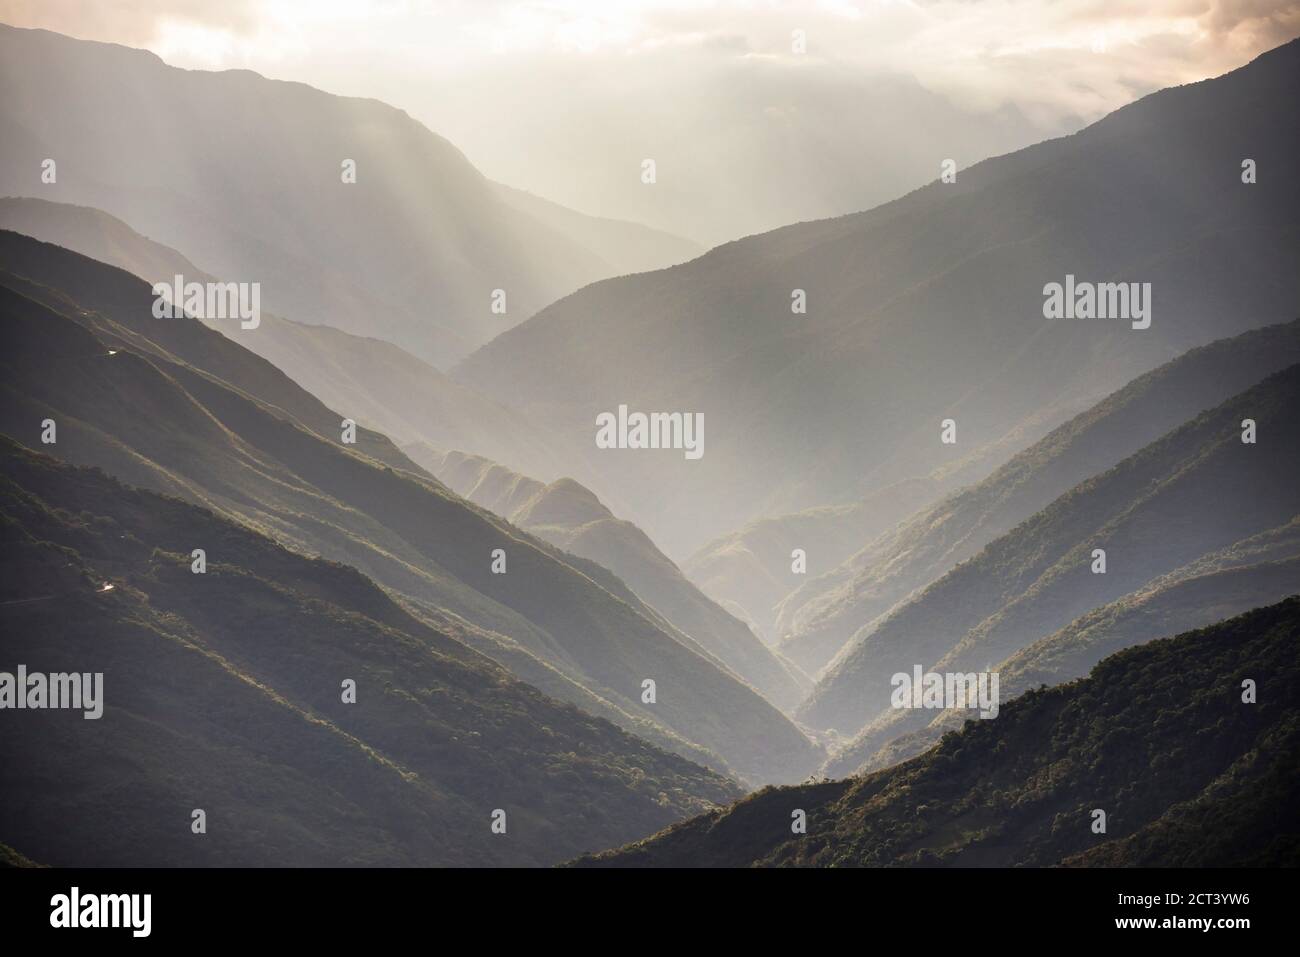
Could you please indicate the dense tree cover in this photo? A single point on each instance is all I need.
(223, 692)
(1157, 736)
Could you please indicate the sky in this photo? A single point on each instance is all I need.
(566, 97)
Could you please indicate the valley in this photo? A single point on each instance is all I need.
(356, 509)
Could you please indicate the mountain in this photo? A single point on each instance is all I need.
(1158, 737)
(1259, 571)
(223, 691)
(1195, 490)
(743, 142)
(246, 175)
(570, 517)
(819, 618)
(927, 308)
(750, 571)
(379, 384)
(62, 279)
(175, 407)
(626, 247)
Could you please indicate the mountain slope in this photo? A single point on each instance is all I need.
(572, 518)
(154, 419)
(223, 691)
(749, 571)
(1258, 571)
(624, 247)
(1158, 737)
(410, 252)
(1194, 491)
(926, 308)
(377, 383)
(58, 279)
(818, 619)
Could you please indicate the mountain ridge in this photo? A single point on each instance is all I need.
(411, 250)
(1023, 789)
(224, 689)
(571, 517)
(1040, 576)
(926, 308)
(202, 439)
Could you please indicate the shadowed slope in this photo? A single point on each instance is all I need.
(155, 420)
(570, 517)
(1196, 490)
(223, 691)
(1157, 736)
(818, 619)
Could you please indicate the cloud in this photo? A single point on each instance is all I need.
(1070, 56)
(530, 89)
(1252, 24)
(131, 22)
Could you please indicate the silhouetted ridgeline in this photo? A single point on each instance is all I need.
(1258, 571)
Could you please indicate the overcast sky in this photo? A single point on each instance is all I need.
(531, 90)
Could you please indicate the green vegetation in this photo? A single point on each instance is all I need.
(1258, 571)
(223, 691)
(182, 410)
(1157, 736)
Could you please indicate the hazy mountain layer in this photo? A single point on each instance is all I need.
(1258, 571)
(1158, 737)
(742, 143)
(570, 517)
(822, 616)
(626, 247)
(224, 691)
(179, 408)
(246, 175)
(376, 382)
(751, 571)
(924, 309)
(1196, 490)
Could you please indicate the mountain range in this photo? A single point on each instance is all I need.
(927, 308)
(178, 408)
(1257, 571)
(570, 517)
(224, 692)
(247, 176)
(369, 576)
(379, 384)
(1160, 738)
(818, 619)
(1197, 489)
